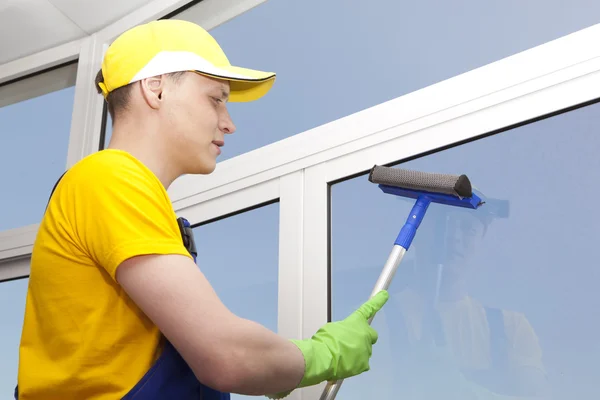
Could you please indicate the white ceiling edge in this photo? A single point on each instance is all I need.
(151, 11)
(31, 26)
(92, 15)
(66, 52)
(208, 13)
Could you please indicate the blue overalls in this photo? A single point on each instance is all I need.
(170, 377)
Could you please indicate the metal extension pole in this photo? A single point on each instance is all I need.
(401, 245)
(383, 283)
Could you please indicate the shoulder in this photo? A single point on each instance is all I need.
(109, 164)
(113, 173)
(116, 208)
(113, 185)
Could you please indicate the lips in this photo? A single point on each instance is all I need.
(218, 144)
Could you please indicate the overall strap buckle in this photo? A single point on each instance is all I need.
(187, 236)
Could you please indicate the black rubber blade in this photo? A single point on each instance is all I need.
(456, 185)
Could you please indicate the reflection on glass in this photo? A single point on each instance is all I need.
(478, 349)
(334, 58)
(33, 154)
(239, 257)
(12, 308)
(488, 304)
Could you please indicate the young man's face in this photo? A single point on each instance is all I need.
(452, 238)
(197, 121)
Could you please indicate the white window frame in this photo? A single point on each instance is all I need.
(40, 62)
(298, 170)
(25, 78)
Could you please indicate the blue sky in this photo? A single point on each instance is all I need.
(332, 60)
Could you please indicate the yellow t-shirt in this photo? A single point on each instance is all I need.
(83, 337)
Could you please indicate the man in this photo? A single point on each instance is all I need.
(116, 306)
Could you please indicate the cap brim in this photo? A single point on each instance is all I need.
(245, 84)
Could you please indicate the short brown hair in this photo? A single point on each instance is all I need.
(118, 99)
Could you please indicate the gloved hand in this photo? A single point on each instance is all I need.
(340, 349)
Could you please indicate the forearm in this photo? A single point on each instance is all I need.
(258, 361)
(263, 363)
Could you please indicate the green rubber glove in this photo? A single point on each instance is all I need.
(340, 349)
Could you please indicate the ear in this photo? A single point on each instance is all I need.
(152, 90)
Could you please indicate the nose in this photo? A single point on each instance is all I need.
(226, 124)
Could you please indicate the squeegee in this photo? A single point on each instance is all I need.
(425, 188)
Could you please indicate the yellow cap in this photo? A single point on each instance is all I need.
(165, 46)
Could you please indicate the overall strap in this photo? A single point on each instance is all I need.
(187, 235)
(54, 188)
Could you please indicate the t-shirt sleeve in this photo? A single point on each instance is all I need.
(120, 211)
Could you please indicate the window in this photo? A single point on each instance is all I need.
(239, 256)
(12, 308)
(333, 60)
(494, 302)
(35, 114)
(107, 132)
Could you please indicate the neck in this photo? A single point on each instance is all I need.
(141, 138)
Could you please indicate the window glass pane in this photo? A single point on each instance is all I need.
(12, 308)
(333, 59)
(108, 130)
(483, 306)
(239, 256)
(34, 144)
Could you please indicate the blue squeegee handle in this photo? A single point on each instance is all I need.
(401, 245)
(409, 230)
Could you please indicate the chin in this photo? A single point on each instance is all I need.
(210, 170)
(204, 169)
(200, 163)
